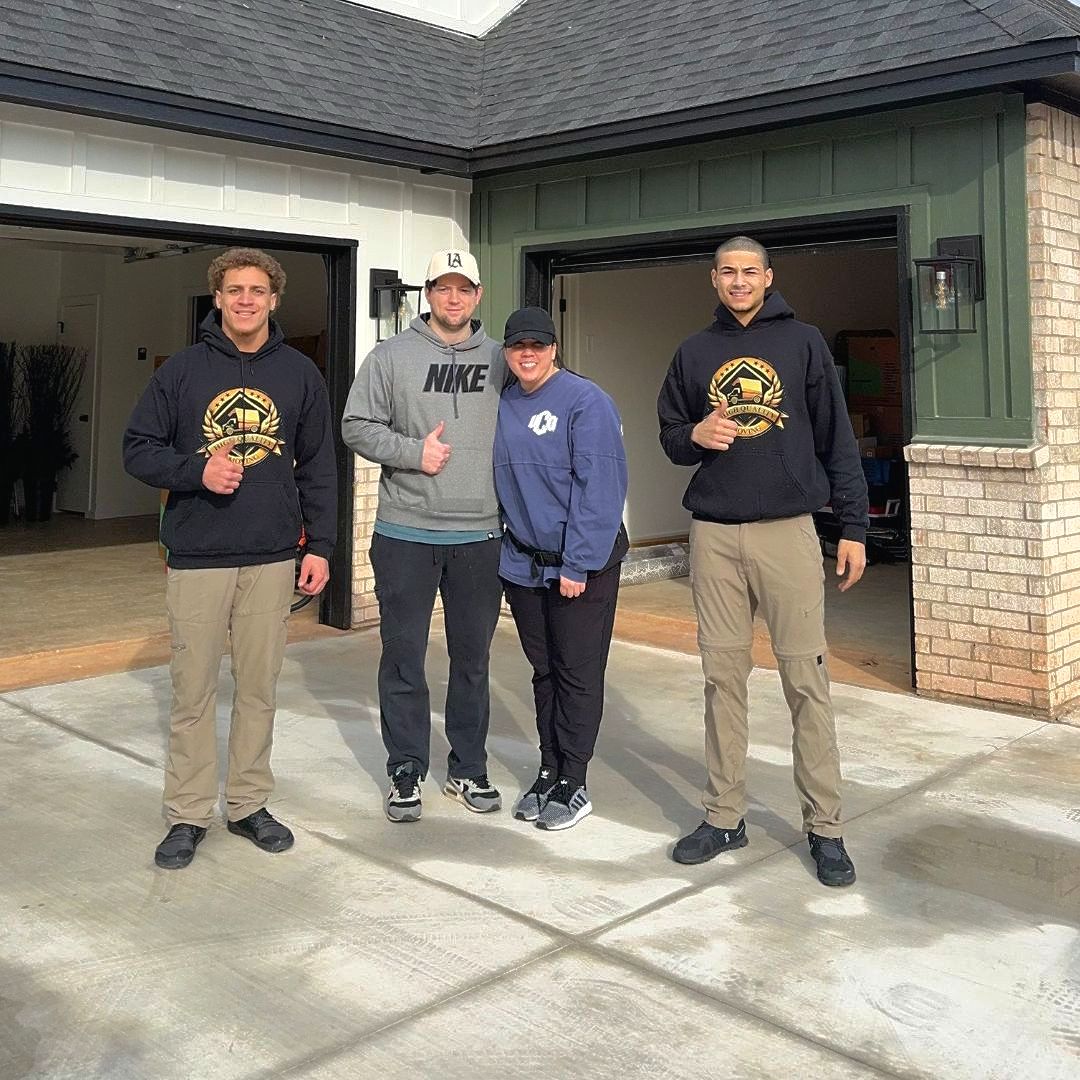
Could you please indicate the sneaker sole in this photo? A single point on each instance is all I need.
(584, 812)
(837, 884)
(525, 815)
(453, 793)
(712, 854)
(402, 817)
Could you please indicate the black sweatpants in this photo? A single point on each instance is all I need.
(567, 642)
(407, 577)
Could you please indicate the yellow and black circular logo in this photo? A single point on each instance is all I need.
(245, 422)
(753, 393)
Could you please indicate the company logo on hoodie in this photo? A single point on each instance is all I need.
(753, 393)
(245, 422)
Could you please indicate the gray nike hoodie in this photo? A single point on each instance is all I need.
(405, 387)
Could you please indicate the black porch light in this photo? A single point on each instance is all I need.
(950, 284)
(388, 296)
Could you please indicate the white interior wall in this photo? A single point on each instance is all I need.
(31, 281)
(622, 328)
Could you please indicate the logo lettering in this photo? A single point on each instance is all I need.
(543, 422)
(453, 259)
(459, 378)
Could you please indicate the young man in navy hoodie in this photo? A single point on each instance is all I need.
(755, 403)
(237, 428)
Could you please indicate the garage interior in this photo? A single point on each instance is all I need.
(128, 302)
(620, 325)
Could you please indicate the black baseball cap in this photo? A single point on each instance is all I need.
(529, 324)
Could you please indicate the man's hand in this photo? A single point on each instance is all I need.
(570, 589)
(314, 574)
(436, 454)
(850, 559)
(716, 431)
(222, 475)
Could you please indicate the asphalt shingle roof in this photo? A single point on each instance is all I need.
(590, 63)
(321, 60)
(550, 67)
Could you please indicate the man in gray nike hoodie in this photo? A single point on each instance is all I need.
(424, 406)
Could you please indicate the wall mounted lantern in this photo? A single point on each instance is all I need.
(389, 300)
(950, 284)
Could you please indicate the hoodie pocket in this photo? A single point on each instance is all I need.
(258, 518)
(741, 485)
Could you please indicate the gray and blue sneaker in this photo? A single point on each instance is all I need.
(532, 802)
(476, 793)
(403, 798)
(565, 807)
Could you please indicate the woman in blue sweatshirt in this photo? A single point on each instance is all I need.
(560, 474)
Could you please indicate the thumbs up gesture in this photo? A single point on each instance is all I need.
(436, 454)
(222, 475)
(716, 431)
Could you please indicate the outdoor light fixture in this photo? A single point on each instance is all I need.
(950, 284)
(389, 300)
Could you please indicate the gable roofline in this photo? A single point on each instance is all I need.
(1043, 67)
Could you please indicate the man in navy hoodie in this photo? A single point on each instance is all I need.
(237, 428)
(755, 403)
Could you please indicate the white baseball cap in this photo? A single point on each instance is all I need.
(452, 262)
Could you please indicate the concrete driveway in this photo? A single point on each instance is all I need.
(481, 946)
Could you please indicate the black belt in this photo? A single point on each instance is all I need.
(538, 555)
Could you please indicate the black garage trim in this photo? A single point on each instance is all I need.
(340, 259)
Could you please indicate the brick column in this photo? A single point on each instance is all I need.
(365, 608)
(996, 532)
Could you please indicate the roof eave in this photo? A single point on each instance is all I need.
(897, 88)
(95, 97)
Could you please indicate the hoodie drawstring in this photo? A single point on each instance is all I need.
(453, 378)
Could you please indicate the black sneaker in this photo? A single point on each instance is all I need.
(834, 865)
(263, 830)
(178, 847)
(707, 841)
(403, 798)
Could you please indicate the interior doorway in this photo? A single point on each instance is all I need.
(622, 313)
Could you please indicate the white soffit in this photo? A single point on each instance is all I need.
(475, 17)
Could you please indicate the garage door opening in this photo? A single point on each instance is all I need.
(83, 574)
(621, 321)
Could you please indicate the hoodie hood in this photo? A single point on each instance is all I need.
(774, 310)
(212, 334)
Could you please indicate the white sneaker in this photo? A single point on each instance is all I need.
(403, 798)
(476, 793)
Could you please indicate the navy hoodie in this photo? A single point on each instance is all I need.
(271, 408)
(560, 473)
(796, 450)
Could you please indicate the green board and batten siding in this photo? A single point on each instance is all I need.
(958, 167)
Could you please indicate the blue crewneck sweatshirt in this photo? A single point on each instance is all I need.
(560, 474)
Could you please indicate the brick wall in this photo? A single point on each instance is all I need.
(996, 532)
(365, 608)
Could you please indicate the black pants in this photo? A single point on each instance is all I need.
(407, 576)
(567, 642)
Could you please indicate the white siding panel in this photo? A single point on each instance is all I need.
(381, 194)
(432, 221)
(118, 168)
(194, 179)
(262, 187)
(323, 196)
(37, 158)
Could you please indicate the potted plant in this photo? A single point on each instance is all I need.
(10, 464)
(50, 377)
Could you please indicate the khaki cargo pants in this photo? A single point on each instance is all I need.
(250, 606)
(774, 567)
